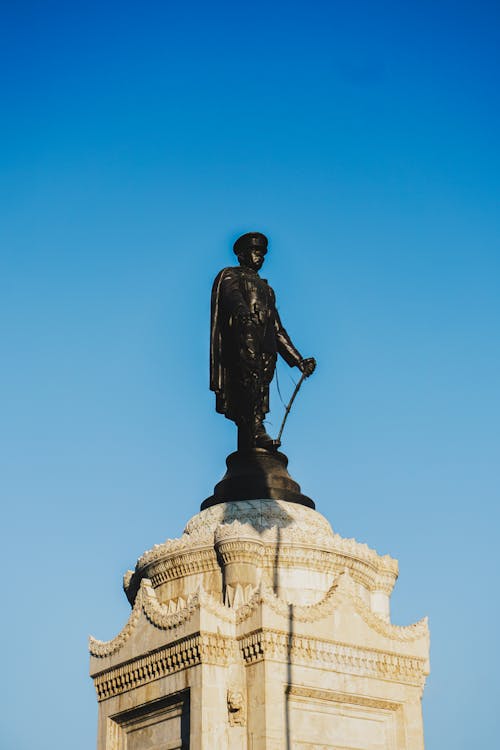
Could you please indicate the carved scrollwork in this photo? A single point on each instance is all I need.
(346, 587)
(161, 615)
(107, 648)
(158, 614)
(343, 587)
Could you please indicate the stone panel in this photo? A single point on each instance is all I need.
(324, 720)
(159, 725)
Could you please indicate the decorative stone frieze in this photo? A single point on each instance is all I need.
(209, 648)
(181, 565)
(341, 657)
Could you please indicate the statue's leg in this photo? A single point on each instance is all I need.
(268, 364)
(249, 386)
(248, 382)
(246, 440)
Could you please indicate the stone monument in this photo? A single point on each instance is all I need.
(259, 628)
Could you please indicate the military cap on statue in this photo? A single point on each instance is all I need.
(250, 239)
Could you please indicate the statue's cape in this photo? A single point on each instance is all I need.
(217, 370)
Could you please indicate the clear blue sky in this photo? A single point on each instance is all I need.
(136, 142)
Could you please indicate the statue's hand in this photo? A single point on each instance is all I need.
(307, 366)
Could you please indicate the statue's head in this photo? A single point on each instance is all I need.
(250, 249)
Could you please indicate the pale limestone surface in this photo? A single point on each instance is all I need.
(261, 629)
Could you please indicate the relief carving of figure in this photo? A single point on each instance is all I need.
(236, 708)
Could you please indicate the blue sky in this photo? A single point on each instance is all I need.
(136, 143)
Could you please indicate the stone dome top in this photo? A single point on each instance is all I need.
(268, 534)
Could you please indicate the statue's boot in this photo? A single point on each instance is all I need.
(262, 439)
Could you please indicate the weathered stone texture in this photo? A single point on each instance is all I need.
(261, 629)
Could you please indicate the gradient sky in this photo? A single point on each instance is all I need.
(136, 142)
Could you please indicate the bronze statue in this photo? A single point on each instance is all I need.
(246, 335)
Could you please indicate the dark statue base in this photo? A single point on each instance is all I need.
(257, 475)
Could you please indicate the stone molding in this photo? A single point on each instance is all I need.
(323, 561)
(274, 521)
(333, 696)
(244, 550)
(282, 646)
(266, 520)
(191, 562)
(121, 725)
(209, 648)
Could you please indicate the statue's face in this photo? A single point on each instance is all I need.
(253, 258)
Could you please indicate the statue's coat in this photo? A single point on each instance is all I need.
(241, 291)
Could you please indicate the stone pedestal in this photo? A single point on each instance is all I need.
(261, 629)
(254, 474)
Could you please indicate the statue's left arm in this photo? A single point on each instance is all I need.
(284, 344)
(290, 354)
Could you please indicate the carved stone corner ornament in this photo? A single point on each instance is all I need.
(236, 708)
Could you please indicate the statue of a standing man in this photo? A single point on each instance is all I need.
(246, 335)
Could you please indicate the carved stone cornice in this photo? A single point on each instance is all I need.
(288, 556)
(178, 565)
(240, 550)
(282, 646)
(202, 538)
(382, 582)
(323, 561)
(207, 648)
(212, 648)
